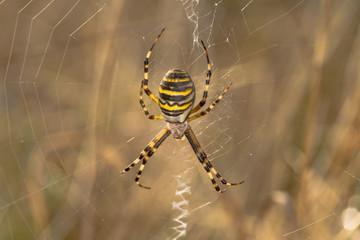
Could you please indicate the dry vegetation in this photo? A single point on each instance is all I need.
(71, 121)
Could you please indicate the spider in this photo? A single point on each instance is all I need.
(176, 101)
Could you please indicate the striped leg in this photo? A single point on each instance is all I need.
(144, 83)
(147, 153)
(146, 71)
(205, 162)
(144, 107)
(210, 107)
(207, 82)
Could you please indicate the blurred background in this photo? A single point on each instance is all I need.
(71, 121)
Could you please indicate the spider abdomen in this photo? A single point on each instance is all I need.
(176, 96)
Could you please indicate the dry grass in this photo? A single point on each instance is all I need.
(71, 121)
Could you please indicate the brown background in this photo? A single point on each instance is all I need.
(70, 119)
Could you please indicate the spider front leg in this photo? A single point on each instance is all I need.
(144, 83)
(195, 144)
(200, 114)
(147, 153)
(207, 82)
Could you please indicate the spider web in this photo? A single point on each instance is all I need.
(288, 126)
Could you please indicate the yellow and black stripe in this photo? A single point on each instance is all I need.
(207, 82)
(144, 83)
(176, 96)
(195, 144)
(200, 114)
(147, 153)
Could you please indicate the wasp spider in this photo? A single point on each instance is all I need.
(176, 101)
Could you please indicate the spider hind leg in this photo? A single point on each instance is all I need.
(195, 144)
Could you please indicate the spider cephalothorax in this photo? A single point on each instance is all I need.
(176, 101)
(178, 129)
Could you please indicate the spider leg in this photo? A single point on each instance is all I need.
(147, 153)
(207, 82)
(144, 107)
(210, 107)
(144, 83)
(142, 155)
(146, 73)
(205, 162)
